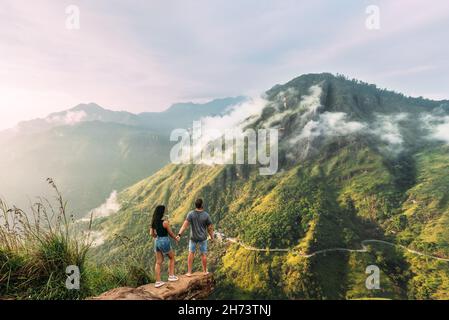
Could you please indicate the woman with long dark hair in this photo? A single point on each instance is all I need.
(160, 231)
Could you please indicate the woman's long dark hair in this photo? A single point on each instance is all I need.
(157, 215)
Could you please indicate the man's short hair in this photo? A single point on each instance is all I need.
(199, 203)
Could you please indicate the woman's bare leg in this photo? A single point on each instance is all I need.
(171, 266)
(158, 267)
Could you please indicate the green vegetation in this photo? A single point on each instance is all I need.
(331, 191)
(347, 189)
(36, 249)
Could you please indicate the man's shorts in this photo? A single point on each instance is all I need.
(162, 244)
(201, 244)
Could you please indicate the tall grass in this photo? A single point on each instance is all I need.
(36, 248)
(135, 273)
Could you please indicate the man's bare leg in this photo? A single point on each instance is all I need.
(204, 262)
(190, 263)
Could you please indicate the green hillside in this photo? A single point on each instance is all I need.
(356, 163)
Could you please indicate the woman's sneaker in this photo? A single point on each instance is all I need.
(159, 284)
(173, 278)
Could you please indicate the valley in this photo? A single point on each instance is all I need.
(355, 163)
(362, 181)
(91, 151)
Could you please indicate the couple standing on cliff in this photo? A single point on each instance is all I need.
(200, 225)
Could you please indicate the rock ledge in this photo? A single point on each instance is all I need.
(198, 286)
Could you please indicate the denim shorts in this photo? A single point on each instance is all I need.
(162, 244)
(201, 244)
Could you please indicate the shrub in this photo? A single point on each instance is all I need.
(35, 250)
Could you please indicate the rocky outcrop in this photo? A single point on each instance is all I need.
(198, 286)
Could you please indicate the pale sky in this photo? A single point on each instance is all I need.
(144, 55)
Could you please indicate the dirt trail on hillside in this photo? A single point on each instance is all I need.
(364, 248)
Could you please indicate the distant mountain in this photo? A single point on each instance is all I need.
(91, 151)
(80, 113)
(179, 115)
(355, 163)
(93, 112)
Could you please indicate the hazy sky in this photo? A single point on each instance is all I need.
(145, 55)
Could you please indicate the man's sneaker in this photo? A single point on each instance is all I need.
(159, 284)
(173, 278)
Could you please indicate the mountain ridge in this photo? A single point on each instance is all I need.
(90, 151)
(94, 112)
(355, 163)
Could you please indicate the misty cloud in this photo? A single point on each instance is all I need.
(69, 118)
(307, 106)
(312, 102)
(204, 143)
(329, 124)
(111, 206)
(441, 131)
(437, 126)
(388, 129)
(238, 116)
(236, 119)
(313, 126)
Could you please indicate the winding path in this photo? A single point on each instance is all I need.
(363, 243)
